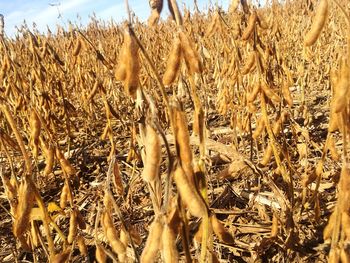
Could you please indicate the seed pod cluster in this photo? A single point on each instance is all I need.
(182, 47)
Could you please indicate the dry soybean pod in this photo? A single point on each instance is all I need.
(250, 26)
(154, 18)
(287, 94)
(220, 231)
(173, 63)
(183, 142)
(189, 194)
(317, 24)
(269, 92)
(153, 155)
(120, 72)
(249, 64)
(73, 227)
(252, 95)
(342, 89)
(169, 250)
(112, 236)
(132, 65)
(65, 164)
(24, 206)
(64, 195)
(35, 127)
(245, 6)
(49, 153)
(77, 48)
(190, 54)
(156, 4)
(82, 246)
(93, 91)
(259, 128)
(100, 254)
(149, 253)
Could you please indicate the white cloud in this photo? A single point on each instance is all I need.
(44, 15)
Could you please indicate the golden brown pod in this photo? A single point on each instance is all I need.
(332, 149)
(173, 63)
(100, 254)
(247, 33)
(191, 56)
(153, 155)
(112, 236)
(287, 94)
(260, 126)
(61, 257)
(327, 231)
(270, 93)
(64, 196)
(82, 246)
(182, 136)
(65, 164)
(153, 18)
(77, 48)
(342, 88)
(49, 153)
(35, 127)
(149, 253)
(94, 90)
(189, 193)
(220, 231)
(132, 64)
(249, 64)
(156, 4)
(318, 23)
(252, 95)
(73, 227)
(23, 208)
(245, 6)
(120, 72)
(169, 250)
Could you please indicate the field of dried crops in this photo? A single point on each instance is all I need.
(208, 137)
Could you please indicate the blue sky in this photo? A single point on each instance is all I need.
(46, 12)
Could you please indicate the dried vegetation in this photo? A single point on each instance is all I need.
(217, 137)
